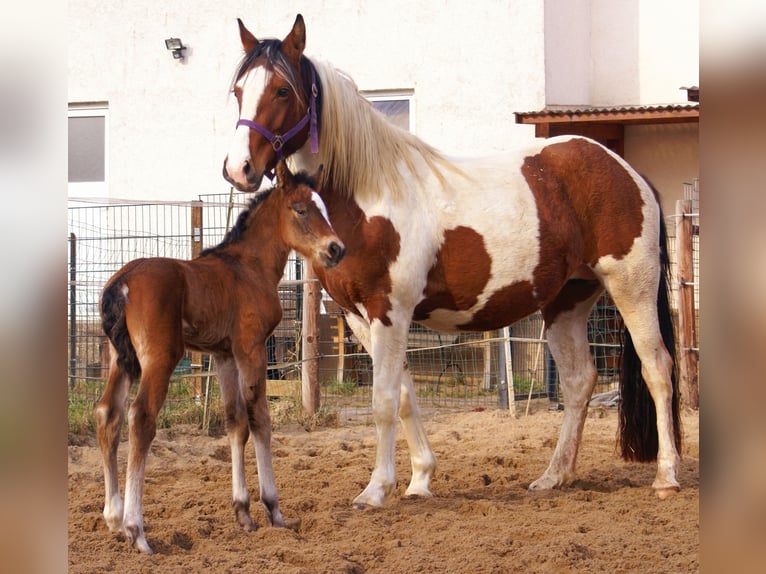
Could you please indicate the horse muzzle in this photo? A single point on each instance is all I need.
(245, 178)
(333, 254)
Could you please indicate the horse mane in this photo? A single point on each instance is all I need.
(363, 151)
(244, 218)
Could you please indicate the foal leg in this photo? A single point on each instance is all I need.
(142, 426)
(567, 334)
(238, 431)
(109, 414)
(252, 369)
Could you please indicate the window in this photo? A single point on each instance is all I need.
(88, 166)
(396, 106)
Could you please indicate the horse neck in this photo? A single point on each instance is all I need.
(363, 154)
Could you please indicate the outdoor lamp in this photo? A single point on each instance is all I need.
(176, 46)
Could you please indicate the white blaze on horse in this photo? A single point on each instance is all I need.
(469, 246)
(224, 302)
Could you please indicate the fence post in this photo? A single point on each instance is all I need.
(196, 247)
(72, 309)
(310, 344)
(687, 328)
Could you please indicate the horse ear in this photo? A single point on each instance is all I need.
(295, 42)
(283, 173)
(248, 40)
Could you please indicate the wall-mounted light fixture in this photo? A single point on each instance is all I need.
(176, 46)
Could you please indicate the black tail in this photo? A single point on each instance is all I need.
(115, 327)
(638, 417)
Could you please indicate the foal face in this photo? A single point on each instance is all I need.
(304, 224)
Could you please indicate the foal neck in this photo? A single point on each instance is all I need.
(262, 243)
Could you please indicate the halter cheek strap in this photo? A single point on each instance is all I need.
(278, 141)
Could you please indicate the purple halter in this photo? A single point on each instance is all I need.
(278, 141)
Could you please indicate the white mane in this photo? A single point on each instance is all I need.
(364, 153)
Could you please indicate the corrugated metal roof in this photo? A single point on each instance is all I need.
(688, 111)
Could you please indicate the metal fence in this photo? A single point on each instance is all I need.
(462, 371)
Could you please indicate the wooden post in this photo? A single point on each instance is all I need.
(72, 309)
(487, 349)
(687, 328)
(196, 248)
(309, 373)
(341, 349)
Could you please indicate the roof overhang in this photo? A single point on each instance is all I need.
(606, 124)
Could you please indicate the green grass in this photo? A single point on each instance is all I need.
(346, 388)
(181, 408)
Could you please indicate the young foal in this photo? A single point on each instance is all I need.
(224, 302)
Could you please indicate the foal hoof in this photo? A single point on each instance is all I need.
(242, 514)
(663, 493)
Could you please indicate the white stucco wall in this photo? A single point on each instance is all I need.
(617, 52)
(470, 66)
(630, 52)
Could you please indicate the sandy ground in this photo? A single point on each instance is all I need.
(480, 519)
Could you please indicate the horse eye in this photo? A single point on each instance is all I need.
(283, 92)
(299, 210)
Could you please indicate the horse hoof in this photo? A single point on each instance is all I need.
(137, 540)
(541, 485)
(663, 493)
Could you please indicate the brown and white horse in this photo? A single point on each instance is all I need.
(469, 245)
(224, 302)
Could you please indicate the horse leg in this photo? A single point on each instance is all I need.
(567, 320)
(109, 414)
(638, 306)
(387, 346)
(422, 458)
(252, 368)
(238, 431)
(142, 427)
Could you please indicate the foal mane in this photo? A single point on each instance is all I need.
(246, 216)
(361, 150)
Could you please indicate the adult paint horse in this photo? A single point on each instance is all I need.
(469, 246)
(224, 302)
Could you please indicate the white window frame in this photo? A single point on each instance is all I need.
(392, 96)
(91, 189)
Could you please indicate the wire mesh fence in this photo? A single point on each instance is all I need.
(450, 371)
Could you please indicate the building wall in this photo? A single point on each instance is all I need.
(469, 66)
(630, 52)
(668, 155)
(626, 52)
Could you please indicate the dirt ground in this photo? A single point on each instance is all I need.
(480, 519)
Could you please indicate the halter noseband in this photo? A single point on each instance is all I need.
(278, 141)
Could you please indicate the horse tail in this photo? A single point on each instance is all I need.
(114, 325)
(638, 416)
